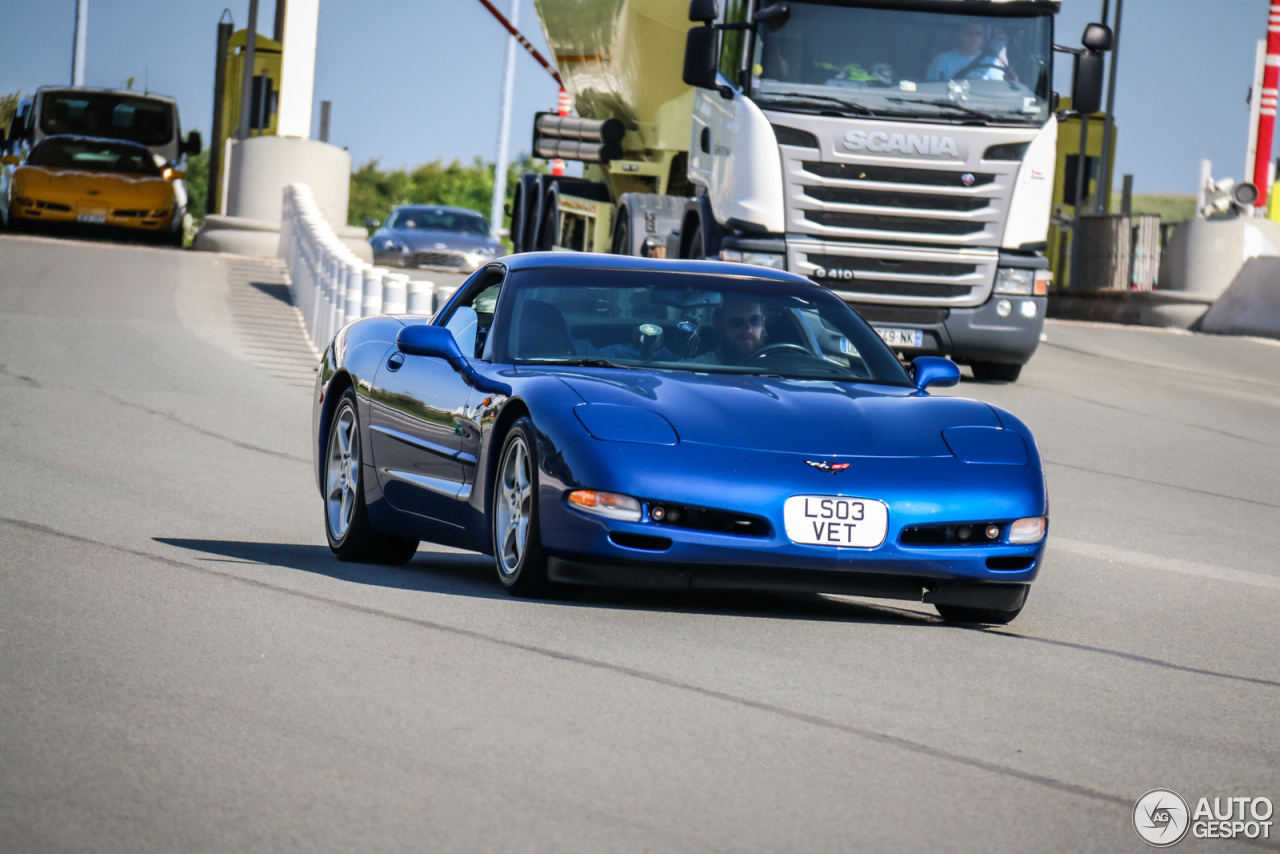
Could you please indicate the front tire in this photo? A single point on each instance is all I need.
(517, 539)
(995, 372)
(346, 520)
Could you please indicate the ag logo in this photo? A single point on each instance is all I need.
(1161, 818)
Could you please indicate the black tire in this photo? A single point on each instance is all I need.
(622, 233)
(697, 245)
(995, 372)
(358, 541)
(522, 570)
(963, 614)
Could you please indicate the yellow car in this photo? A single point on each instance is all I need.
(83, 180)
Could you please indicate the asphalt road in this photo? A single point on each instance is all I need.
(183, 666)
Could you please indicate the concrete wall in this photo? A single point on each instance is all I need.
(262, 166)
(1205, 255)
(1251, 306)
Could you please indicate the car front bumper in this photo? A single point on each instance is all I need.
(917, 491)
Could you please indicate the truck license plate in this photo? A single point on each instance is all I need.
(901, 337)
(98, 218)
(835, 520)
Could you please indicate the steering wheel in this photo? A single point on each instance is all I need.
(782, 347)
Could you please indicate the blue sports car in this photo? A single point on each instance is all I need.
(603, 420)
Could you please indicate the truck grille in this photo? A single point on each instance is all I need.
(876, 222)
(896, 174)
(912, 267)
(905, 315)
(897, 289)
(891, 199)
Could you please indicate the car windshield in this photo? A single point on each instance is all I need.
(148, 121)
(903, 63)
(434, 219)
(94, 155)
(689, 322)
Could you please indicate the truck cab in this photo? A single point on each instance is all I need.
(901, 155)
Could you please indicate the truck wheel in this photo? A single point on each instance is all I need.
(697, 245)
(990, 616)
(524, 216)
(621, 244)
(995, 372)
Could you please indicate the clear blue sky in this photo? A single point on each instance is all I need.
(417, 80)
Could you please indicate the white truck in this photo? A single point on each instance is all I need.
(899, 152)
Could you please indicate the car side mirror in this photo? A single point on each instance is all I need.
(438, 341)
(11, 160)
(1086, 89)
(935, 371)
(370, 222)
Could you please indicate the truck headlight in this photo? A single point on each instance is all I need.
(1012, 280)
(760, 259)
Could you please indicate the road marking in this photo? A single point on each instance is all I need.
(1164, 564)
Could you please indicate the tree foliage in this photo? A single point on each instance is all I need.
(375, 191)
(9, 108)
(198, 185)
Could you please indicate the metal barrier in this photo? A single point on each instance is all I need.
(331, 286)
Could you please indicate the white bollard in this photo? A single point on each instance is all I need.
(420, 296)
(355, 288)
(395, 293)
(372, 301)
(443, 295)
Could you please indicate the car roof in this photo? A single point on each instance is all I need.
(601, 261)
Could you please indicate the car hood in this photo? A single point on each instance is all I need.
(110, 188)
(818, 418)
(419, 240)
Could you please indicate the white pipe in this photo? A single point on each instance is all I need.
(395, 293)
(298, 68)
(78, 42)
(420, 296)
(504, 128)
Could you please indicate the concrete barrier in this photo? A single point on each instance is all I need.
(1251, 304)
(331, 285)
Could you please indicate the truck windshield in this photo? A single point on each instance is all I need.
(148, 121)
(902, 63)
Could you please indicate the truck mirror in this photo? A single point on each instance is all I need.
(1096, 37)
(703, 11)
(701, 55)
(1086, 90)
(194, 144)
(774, 16)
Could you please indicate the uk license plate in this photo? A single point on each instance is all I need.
(835, 520)
(901, 337)
(98, 218)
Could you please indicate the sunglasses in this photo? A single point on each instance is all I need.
(737, 321)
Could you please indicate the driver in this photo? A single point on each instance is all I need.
(740, 331)
(967, 59)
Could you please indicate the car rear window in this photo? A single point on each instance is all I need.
(94, 155)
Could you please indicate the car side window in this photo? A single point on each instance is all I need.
(472, 317)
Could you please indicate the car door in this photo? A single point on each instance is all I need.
(420, 431)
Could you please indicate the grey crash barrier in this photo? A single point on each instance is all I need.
(1251, 303)
(331, 286)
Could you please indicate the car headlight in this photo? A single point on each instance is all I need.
(610, 505)
(394, 246)
(487, 250)
(1030, 530)
(760, 259)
